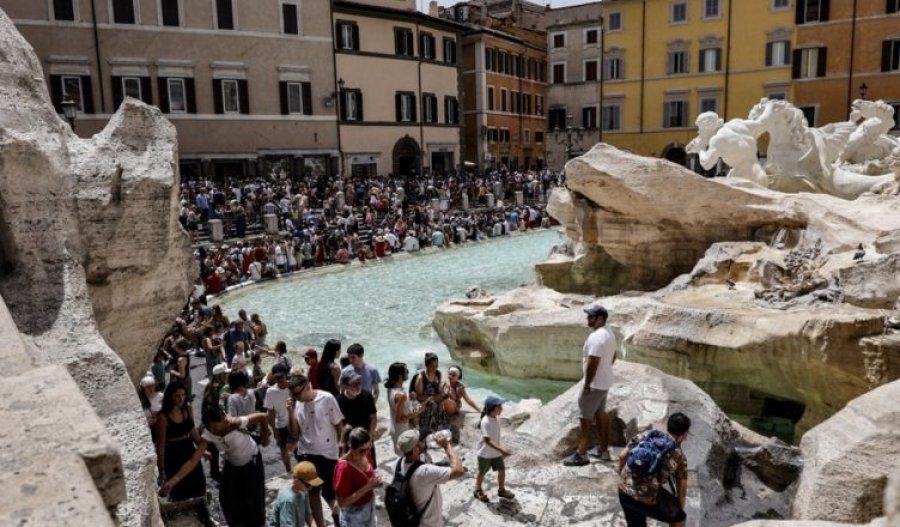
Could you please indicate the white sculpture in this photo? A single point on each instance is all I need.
(800, 158)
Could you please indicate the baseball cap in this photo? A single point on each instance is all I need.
(220, 368)
(311, 354)
(594, 311)
(409, 439)
(306, 472)
(493, 401)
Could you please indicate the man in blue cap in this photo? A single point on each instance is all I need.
(599, 353)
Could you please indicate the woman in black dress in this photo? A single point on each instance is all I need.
(178, 441)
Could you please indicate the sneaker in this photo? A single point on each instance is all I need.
(576, 460)
(601, 455)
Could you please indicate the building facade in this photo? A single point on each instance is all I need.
(397, 76)
(574, 71)
(250, 88)
(504, 85)
(667, 61)
(846, 50)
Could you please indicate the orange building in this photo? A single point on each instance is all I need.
(846, 49)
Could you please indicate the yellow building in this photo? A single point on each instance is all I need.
(667, 61)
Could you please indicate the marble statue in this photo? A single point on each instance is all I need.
(870, 140)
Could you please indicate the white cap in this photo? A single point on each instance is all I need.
(148, 381)
(220, 368)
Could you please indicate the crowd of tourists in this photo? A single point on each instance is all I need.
(323, 418)
(326, 221)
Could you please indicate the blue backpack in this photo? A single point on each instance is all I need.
(646, 458)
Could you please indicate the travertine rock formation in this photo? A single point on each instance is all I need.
(88, 233)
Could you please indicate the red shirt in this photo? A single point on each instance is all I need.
(348, 479)
(213, 284)
(312, 373)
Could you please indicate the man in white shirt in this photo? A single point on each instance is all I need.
(275, 403)
(316, 420)
(427, 478)
(599, 354)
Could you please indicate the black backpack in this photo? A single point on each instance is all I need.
(415, 377)
(398, 499)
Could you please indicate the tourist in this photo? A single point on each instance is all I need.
(643, 496)
(401, 406)
(355, 481)
(235, 334)
(158, 369)
(490, 453)
(182, 368)
(291, 508)
(426, 478)
(599, 353)
(257, 373)
(437, 237)
(328, 373)
(317, 422)
(281, 355)
(431, 396)
(455, 392)
(311, 357)
(240, 359)
(276, 404)
(242, 400)
(358, 407)
(371, 379)
(213, 349)
(242, 493)
(151, 401)
(178, 445)
(214, 394)
(259, 328)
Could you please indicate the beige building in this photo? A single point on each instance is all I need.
(248, 85)
(574, 71)
(398, 80)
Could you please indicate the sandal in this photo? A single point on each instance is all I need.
(479, 494)
(505, 494)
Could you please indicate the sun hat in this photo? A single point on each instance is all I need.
(306, 472)
(409, 439)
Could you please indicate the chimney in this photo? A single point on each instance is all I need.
(433, 8)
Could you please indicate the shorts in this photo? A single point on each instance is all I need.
(486, 464)
(325, 470)
(592, 403)
(285, 438)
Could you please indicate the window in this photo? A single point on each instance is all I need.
(711, 9)
(614, 21)
(526, 103)
(614, 69)
(492, 135)
(348, 35)
(426, 46)
(780, 4)
(539, 105)
(811, 11)
(449, 51)
(778, 53)
(679, 12)
(224, 14)
(489, 59)
(677, 62)
(503, 94)
(405, 107)
(403, 42)
(429, 108)
(504, 135)
(123, 12)
(809, 63)
(136, 87)
(526, 136)
(538, 136)
(490, 97)
(296, 98)
(74, 88)
(781, 96)
(890, 55)
(231, 101)
(559, 73)
(896, 107)
(451, 110)
(809, 113)
(556, 118)
(590, 70)
(612, 117)
(290, 23)
(558, 40)
(710, 59)
(170, 12)
(514, 100)
(230, 96)
(675, 114)
(502, 62)
(591, 36)
(63, 10)
(589, 117)
(351, 105)
(709, 104)
(177, 95)
(893, 6)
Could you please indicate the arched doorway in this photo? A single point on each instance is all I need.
(676, 154)
(406, 157)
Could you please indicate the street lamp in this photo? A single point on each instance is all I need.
(571, 137)
(70, 109)
(863, 89)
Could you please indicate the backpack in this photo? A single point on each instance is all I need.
(412, 382)
(398, 499)
(646, 458)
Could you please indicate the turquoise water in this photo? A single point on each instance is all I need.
(387, 306)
